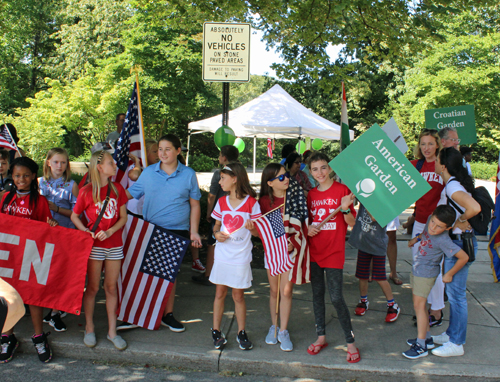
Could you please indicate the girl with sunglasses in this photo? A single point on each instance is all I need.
(275, 181)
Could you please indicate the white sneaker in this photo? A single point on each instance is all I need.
(449, 349)
(441, 339)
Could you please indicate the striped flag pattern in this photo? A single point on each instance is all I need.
(6, 141)
(497, 188)
(272, 232)
(296, 221)
(131, 140)
(270, 148)
(152, 260)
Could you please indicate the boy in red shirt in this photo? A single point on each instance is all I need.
(327, 249)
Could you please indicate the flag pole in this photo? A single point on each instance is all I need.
(260, 217)
(279, 280)
(143, 146)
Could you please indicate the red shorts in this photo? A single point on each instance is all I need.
(363, 266)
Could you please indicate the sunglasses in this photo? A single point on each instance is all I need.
(281, 177)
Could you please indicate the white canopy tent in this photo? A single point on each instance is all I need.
(274, 114)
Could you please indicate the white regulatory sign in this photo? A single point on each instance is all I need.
(226, 52)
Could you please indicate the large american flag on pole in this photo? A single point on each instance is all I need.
(131, 139)
(6, 141)
(152, 260)
(296, 222)
(272, 232)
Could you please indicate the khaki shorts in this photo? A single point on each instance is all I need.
(422, 285)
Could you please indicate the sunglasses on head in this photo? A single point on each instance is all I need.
(281, 177)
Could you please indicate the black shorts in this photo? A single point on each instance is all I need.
(4, 309)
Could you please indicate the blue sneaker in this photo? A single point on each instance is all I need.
(416, 351)
(429, 343)
(270, 338)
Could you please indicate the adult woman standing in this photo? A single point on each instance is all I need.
(426, 152)
(171, 201)
(292, 165)
(458, 188)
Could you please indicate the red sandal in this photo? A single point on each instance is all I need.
(316, 348)
(350, 360)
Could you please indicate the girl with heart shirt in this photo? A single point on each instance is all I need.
(327, 249)
(233, 250)
(274, 184)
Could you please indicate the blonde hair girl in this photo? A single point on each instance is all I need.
(108, 244)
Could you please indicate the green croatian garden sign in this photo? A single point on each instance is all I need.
(380, 176)
(459, 117)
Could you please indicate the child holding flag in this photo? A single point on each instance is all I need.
(273, 188)
(327, 248)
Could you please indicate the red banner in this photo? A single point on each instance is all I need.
(46, 265)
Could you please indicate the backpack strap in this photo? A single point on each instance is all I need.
(420, 164)
(450, 200)
(103, 209)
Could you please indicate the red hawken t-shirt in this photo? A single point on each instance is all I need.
(327, 248)
(425, 206)
(20, 207)
(85, 203)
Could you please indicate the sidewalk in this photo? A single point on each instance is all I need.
(380, 343)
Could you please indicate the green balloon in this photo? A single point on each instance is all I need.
(239, 144)
(224, 136)
(317, 144)
(300, 147)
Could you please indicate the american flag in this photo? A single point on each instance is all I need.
(6, 141)
(131, 139)
(272, 232)
(296, 221)
(270, 148)
(153, 256)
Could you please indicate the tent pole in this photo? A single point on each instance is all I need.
(189, 142)
(254, 155)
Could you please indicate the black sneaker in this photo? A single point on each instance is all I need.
(429, 342)
(126, 326)
(219, 339)
(433, 322)
(42, 347)
(415, 351)
(8, 346)
(202, 280)
(57, 323)
(170, 322)
(243, 340)
(47, 318)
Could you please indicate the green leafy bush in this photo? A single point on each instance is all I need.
(201, 163)
(483, 170)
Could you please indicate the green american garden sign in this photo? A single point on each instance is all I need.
(380, 176)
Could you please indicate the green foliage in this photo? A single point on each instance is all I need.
(484, 171)
(201, 163)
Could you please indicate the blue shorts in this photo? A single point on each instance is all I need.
(363, 266)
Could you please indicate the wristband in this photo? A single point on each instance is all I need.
(462, 221)
(216, 233)
(345, 212)
(58, 209)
